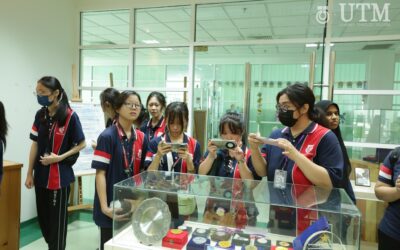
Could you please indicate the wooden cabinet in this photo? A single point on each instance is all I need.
(10, 197)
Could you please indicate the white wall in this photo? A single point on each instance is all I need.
(37, 38)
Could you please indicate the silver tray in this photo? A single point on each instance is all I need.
(151, 221)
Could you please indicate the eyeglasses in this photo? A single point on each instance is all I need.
(282, 108)
(132, 105)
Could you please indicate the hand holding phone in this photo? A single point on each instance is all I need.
(269, 141)
(224, 144)
(176, 146)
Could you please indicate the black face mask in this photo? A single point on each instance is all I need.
(286, 118)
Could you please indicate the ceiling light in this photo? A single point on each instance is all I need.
(311, 45)
(150, 41)
(314, 45)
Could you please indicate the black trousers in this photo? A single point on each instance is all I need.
(51, 207)
(105, 235)
(385, 242)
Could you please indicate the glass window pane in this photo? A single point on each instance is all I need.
(170, 96)
(168, 25)
(366, 66)
(161, 67)
(220, 75)
(362, 124)
(258, 20)
(97, 65)
(371, 18)
(105, 27)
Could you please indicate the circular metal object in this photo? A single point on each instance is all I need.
(176, 231)
(151, 221)
(224, 244)
(220, 235)
(262, 241)
(284, 244)
(199, 240)
(250, 247)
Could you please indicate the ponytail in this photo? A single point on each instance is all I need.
(61, 113)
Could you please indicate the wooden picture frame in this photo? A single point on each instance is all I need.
(362, 177)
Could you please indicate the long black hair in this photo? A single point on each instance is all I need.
(3, 124)
(160, 98)
(61, 113)
(179, 111)
(235, 124)
(143, 115)
(300, 94)
(109, 95)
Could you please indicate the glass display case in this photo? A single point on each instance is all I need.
(164, 210)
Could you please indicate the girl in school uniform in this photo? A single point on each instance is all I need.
(233, 163)
(118, 156)
(160, 156)
(107, 102)
(57, 138)
(156, 125)
(108, 98)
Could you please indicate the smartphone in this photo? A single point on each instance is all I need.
(269, 141)
(176, 146)
(224, 144)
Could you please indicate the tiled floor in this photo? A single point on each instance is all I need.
(81, 235)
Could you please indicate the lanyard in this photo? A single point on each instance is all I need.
(286, 159)
(52, 125)
(128, 166)
(170, 157)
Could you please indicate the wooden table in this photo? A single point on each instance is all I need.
(78, 175)
(373, 168)
(371, 209)
(10, 205)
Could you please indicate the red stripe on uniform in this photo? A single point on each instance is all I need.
(102, 154)
(385, 169)
(34, 128)
(54, 177)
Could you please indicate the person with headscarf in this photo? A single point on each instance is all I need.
(331, 113)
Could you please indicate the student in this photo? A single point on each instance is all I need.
(387, 188)
(142, 119)
(156, 125)
(233, 163)
(331, 113)
(160, 155)
(118, 156)
(108, 98)
(57, 138)
(306, 153)
(3, 141)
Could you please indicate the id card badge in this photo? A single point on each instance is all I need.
(280, 179)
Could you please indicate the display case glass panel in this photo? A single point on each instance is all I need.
(162, 209)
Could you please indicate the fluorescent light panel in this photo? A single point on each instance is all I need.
(150, 41)
(314, 45)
